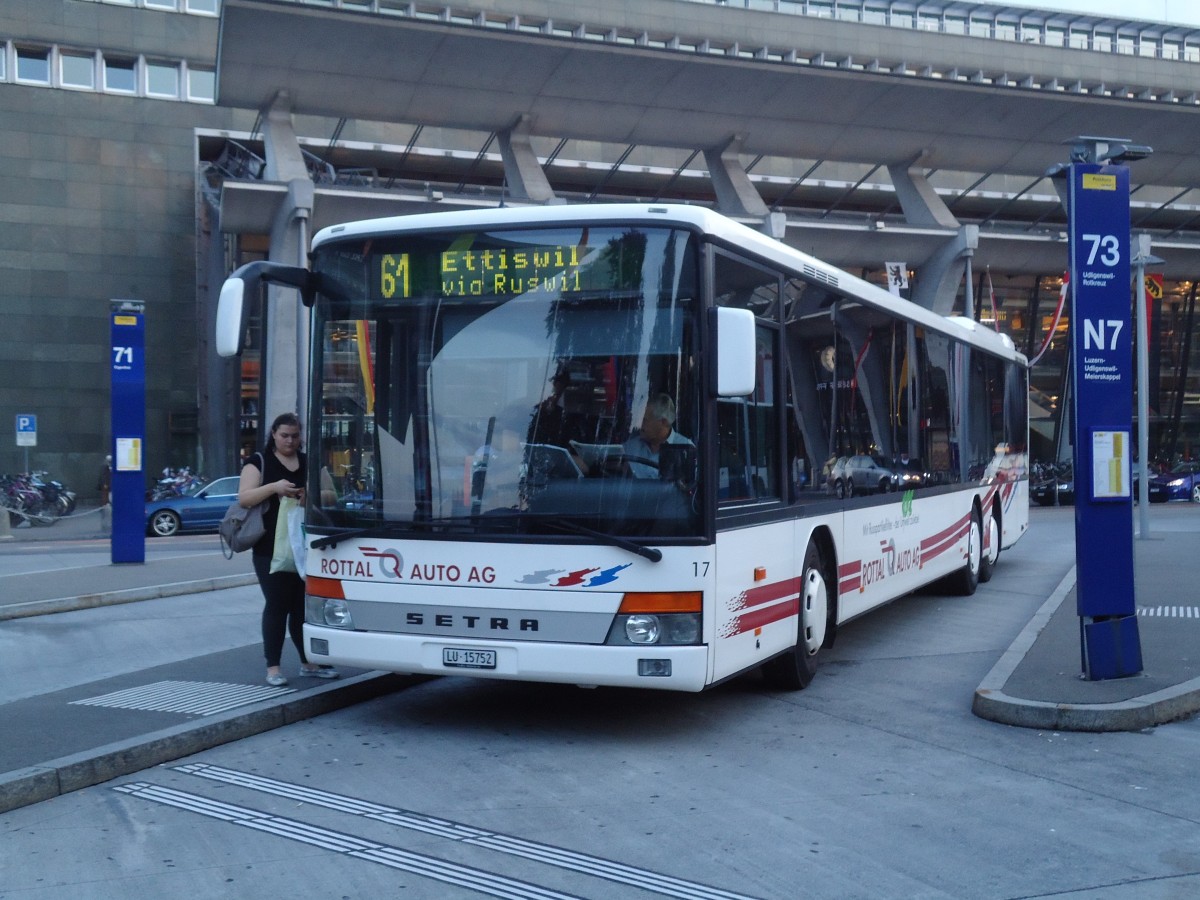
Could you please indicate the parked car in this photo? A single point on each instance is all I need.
(1181, 483)
(835, 474)
(201, 509)
(862, 474)
(1054, 484)
(908, 474)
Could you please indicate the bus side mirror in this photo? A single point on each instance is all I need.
(245, 286)
(736, 351)
(232, 312)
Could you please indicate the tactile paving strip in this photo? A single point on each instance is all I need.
(189, 698)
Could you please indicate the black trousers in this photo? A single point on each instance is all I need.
(283, 611)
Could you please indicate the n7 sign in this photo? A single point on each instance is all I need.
(1095, 332)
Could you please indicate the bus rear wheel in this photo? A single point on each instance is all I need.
(966, 579)
(990, 553)
(794, 670)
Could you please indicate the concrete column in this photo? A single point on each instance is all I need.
(920, 202)
(522, 171)
(736, 195)
(942, 272)
(287, 339)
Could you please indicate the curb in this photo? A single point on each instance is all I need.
(33, 784)
(132, 595)
(990, 701)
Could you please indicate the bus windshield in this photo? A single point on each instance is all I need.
(517, 381)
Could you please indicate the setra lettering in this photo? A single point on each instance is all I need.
(449, 620)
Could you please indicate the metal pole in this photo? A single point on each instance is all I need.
(1143, 390)
(1141, 257)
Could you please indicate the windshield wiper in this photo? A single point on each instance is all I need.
(332, 540)
(651, 553)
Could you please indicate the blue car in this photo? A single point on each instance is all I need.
(201, 509)
(1181, 483)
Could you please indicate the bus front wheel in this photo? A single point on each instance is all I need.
(794, 670)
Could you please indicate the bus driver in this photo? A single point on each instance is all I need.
(657, 429)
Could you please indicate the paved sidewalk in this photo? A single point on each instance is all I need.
(96, 729)
(1038, 682)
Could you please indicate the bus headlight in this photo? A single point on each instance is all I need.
(328, 611)
(657, 618)
(642, 629)
(662, 629)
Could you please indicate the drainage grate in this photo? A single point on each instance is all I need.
(1170, 612)
(190, 698)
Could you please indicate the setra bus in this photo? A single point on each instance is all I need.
(632, 445)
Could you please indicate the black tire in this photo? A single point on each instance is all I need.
(839, 488)
(849, 488)
(988, 558)
(164, 523)
(794, 670)
(1196, 493)
(966, 579)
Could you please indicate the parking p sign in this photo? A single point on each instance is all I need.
(26, 430)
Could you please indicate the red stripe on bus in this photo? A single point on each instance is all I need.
(942, 541)
(765, 593)
(748, 621)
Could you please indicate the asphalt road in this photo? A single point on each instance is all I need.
(875, 782)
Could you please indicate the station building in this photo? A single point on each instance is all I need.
(151, 146)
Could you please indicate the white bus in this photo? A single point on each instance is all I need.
(630, 445)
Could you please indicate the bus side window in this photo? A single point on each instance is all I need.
(748, 428)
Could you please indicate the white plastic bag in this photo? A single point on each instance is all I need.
(297, 536)
(283, 559)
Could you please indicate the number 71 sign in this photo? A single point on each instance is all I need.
(128, 343)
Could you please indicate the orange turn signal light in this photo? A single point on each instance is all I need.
(316, 586)
(662, 602)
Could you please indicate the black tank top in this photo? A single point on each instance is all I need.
(272, 470)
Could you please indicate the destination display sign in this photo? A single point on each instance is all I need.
(608, 262)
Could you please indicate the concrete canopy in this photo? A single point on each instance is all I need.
(386, 68)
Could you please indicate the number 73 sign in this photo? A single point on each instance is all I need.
(1102, 385)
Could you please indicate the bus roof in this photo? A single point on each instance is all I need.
(709, 222)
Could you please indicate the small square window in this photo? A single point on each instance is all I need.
(162, 80)
(202, 85)
(162, 4)
(78, 71)
(33, 65)
(209, 7)
(120, 75)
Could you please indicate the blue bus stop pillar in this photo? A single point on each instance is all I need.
(1102, 379)
(128, 489)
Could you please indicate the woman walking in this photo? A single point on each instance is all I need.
(278, 471)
